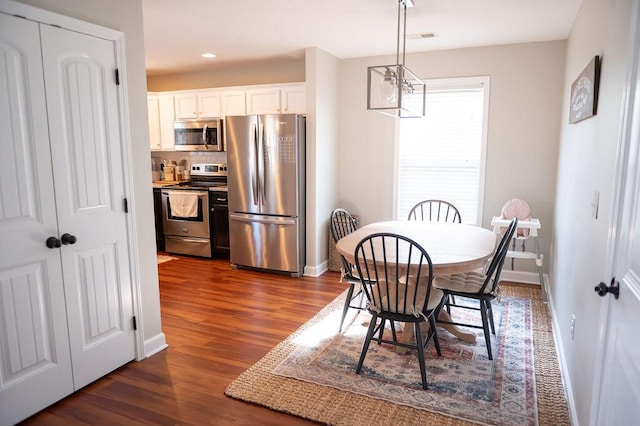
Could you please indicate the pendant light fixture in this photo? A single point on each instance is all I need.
(393, 89)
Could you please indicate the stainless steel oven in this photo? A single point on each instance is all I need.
(195, 220)
(185, 220)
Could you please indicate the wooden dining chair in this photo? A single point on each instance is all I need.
(483, 287)
(435, 211)
(397, 276)
(342, 224)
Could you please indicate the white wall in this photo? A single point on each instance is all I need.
(524, 122)
(126, 16)
(586, 163)
(322, 140)
(240, 75)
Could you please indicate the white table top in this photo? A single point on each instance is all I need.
(452, 247)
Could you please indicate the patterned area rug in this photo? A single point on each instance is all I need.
(329, 405)
(463, 383)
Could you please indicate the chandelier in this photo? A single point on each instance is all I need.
(393, 89)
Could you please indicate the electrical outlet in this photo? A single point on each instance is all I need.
(573, 326)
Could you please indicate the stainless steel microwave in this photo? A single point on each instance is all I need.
(198, 135)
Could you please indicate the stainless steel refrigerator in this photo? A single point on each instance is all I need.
(266, 178)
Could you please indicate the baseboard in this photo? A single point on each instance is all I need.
(316, 271)
(562, 361)
(155, 344)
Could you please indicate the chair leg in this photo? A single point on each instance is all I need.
(434, 333)
(423, 367)
(485, 327)
(493, 328)
(367, 340)
(393, 330)
(347, 302)
(382, 324)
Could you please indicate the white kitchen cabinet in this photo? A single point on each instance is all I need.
(153, 109)
(263, 101)
(200, 104)
(233, 102)
(294, 99)
(65, 279)
(277, 100)
(161, 117)
(167, 117)
(209, 104)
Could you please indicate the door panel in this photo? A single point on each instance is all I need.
(241, 138)
(618, 396)
(35, 365)
(281, 149)
(79, 73)
(265, 242)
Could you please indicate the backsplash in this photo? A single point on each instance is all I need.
(189, 157)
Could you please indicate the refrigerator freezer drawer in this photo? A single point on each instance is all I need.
(266, 242)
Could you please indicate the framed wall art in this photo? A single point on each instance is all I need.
(584, 93)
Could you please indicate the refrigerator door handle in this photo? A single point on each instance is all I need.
(261, 159)
(261, 162)
(254, 172)
(271, 221)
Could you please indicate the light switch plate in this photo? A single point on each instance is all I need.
(595, 204)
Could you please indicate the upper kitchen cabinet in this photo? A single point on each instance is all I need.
(161, 116)
(233, 102)
(294, 99)
(276, 100)
(200, 104)
(153, 109)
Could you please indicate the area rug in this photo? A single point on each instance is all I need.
(331, 405)
(163, 258)
(463, 382)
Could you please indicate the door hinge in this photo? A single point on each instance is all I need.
(135, 324)
(126, 205)
(117, 77)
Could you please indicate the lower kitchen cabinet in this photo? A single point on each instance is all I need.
(219, 224)
(157, 213)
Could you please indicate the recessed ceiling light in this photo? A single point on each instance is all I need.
(208, 55)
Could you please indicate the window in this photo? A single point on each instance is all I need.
(442, 156)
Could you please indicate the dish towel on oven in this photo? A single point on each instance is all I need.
(183, 203)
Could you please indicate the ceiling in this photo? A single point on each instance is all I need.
(242, 32)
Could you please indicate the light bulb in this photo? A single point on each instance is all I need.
(389, 87)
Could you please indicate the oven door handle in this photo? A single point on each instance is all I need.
(194, 240)
(200, 194)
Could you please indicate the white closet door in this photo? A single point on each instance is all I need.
(82, 100)
(35, 367)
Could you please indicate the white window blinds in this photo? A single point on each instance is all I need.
(442, 155)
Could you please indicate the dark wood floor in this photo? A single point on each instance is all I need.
(218, 322)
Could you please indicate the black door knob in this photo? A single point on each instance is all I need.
(68, 239)
(602, 289)
(52, 242)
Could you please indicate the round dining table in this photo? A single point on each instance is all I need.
(453, 248)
